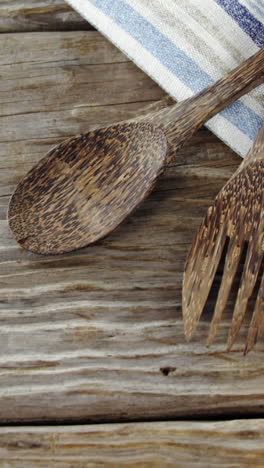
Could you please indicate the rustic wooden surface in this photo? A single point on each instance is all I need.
(39, 15)
(98, 334)
(144, 445)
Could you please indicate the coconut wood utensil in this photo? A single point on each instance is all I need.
(86, 186)
(237, 217)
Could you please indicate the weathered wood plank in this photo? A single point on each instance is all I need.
(156, 445)
(39, 15)
(60, 84)
(97, 334)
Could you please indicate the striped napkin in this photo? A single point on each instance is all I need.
(185, 45)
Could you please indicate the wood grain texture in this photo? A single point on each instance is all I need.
(39, 15)
(65, 83)
(145, 445)
(98, 334)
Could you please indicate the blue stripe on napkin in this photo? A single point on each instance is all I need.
(245, 20)
(155, 42)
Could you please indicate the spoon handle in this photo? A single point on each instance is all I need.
(183, 119)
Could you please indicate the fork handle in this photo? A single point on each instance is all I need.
(255, 153)
(257, 149)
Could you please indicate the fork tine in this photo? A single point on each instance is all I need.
(247, 283)
(231, 264)
(201, 266)
(256, 328)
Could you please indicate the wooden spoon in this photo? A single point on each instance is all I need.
(86, 186)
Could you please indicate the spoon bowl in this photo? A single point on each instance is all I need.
(84, 188)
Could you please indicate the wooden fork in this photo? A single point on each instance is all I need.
(236, 218)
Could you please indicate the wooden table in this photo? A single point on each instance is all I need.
(96, 336)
